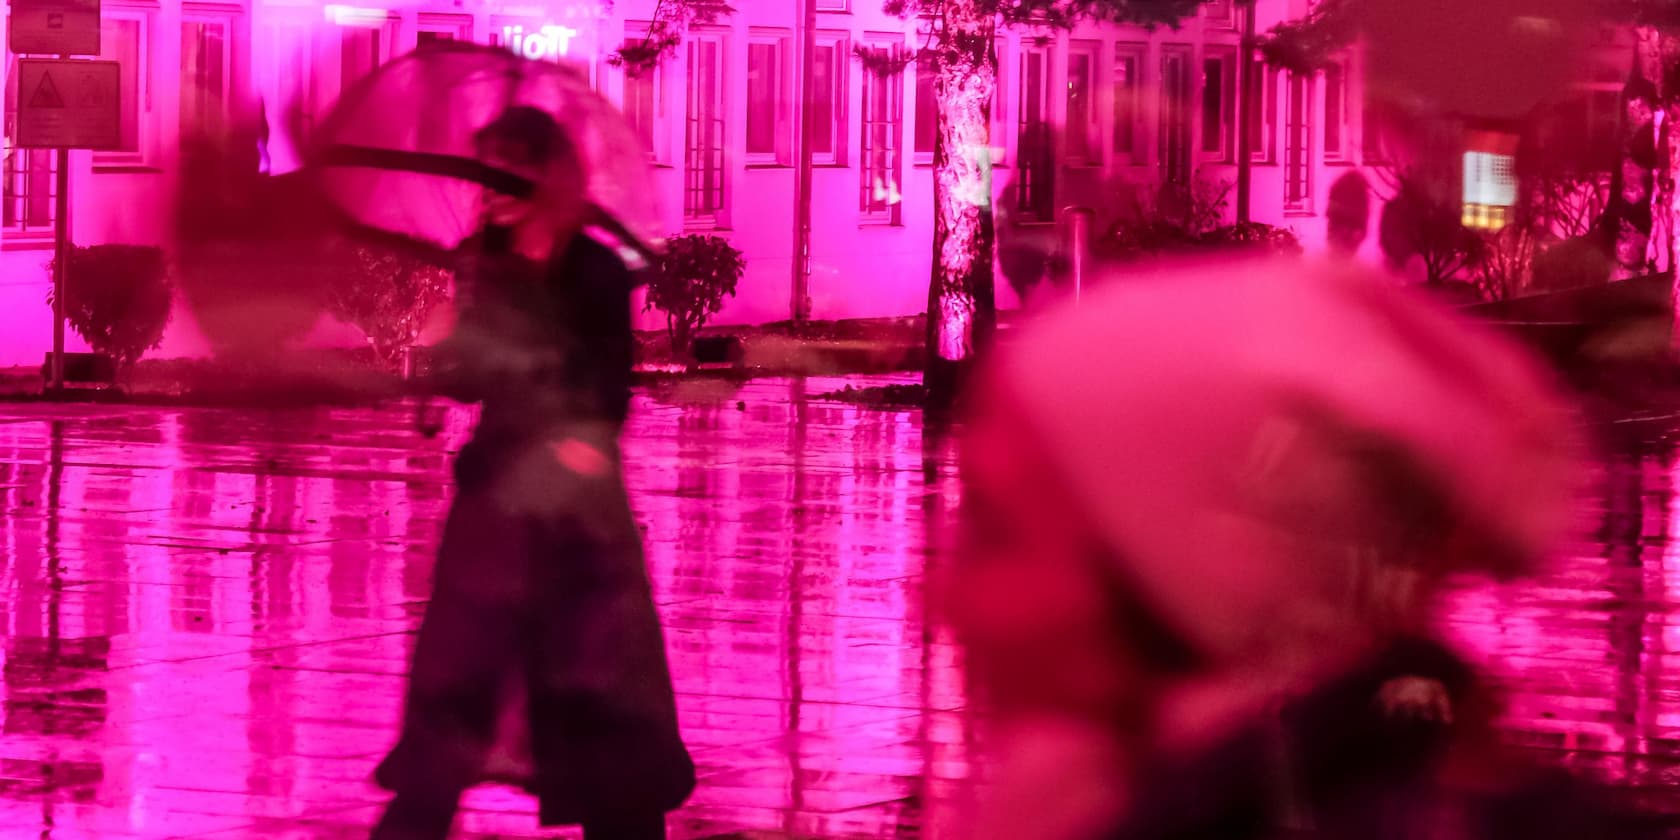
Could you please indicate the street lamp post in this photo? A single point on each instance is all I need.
(800, 307)
(1246, 107)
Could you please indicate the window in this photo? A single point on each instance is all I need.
(644, 105)
(834, 5)
(1219, 113)
(1128, 146)
(1083, 142)
(1335, 114)
(441, 29)
(769, 105)
(999, 133)
(1373, 147)
(1175, 115)
(881, 151)
(1263, 97)
(703, 193)
(1490, 189)
(350, 49)
(828, 101)
(927, 108)
(1220, 14)
(1035, 184)
(1297, 156)
(206, 71)
(1587, 126)
(27, 202)
(360, 51)
(124, 38)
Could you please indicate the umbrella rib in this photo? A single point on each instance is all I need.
(428, 163)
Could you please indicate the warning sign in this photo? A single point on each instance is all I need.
(55, 27)
(46, 94)
(69, 104)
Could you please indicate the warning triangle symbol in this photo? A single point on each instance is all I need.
(46, 94)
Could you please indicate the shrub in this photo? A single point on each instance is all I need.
(1145, 238)
(387, 294)
(1176, 219)
(117, 298)
(693, 278)
(1252, 237)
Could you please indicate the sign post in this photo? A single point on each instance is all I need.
(64, 105)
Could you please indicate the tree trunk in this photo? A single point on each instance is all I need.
(962, 306)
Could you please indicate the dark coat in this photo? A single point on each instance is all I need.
(540, 574)
(1354, 773)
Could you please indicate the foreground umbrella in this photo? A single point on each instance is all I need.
(396, 155)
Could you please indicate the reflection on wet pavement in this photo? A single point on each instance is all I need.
(207, 613)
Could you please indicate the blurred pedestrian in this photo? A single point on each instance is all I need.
(1207, 515)
(541, 598)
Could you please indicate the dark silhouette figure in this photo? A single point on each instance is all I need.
(540, 593)
(1349, 214)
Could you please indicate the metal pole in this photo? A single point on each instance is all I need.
(1076, 244)
(1246, 107)
(800, 305)
(61, 256)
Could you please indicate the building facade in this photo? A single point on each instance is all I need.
(1094, 117)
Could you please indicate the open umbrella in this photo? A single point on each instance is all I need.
(396, 156)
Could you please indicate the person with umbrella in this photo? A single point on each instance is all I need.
(1206, 516)
(540, 587)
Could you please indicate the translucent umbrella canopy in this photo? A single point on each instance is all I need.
(396, 154)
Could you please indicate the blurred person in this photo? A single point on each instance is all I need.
(1207, 516)
(1348, 216)
(541, 659)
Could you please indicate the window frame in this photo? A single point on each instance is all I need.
(23, 234)
(329, 42)
(889, 213)
(999, 133)
(834, 6)
(231, 18)
(1227, 151)
(144, 155)
(925, 72)
(714, 217)
(781, 100)
(1092, 130)
(1342, 154)
(1263, 149)
(1137, 153)
(458, 27)
(1025, 205)
(659, 151)
(1298, 140)
(840, 117)
(1167, 129)
(1219, 14)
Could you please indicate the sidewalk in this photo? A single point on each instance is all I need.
(828, 348)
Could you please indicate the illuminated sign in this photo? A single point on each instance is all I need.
(1490, 180)
(355, 16)
(551, 42)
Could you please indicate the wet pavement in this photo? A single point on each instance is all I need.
(206, 615)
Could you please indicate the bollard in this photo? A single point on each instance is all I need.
(1076, 244)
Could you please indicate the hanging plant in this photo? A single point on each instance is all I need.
(671, 18)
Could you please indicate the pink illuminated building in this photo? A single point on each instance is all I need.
(1092, 117)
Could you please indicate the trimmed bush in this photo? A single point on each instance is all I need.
(117, 298)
